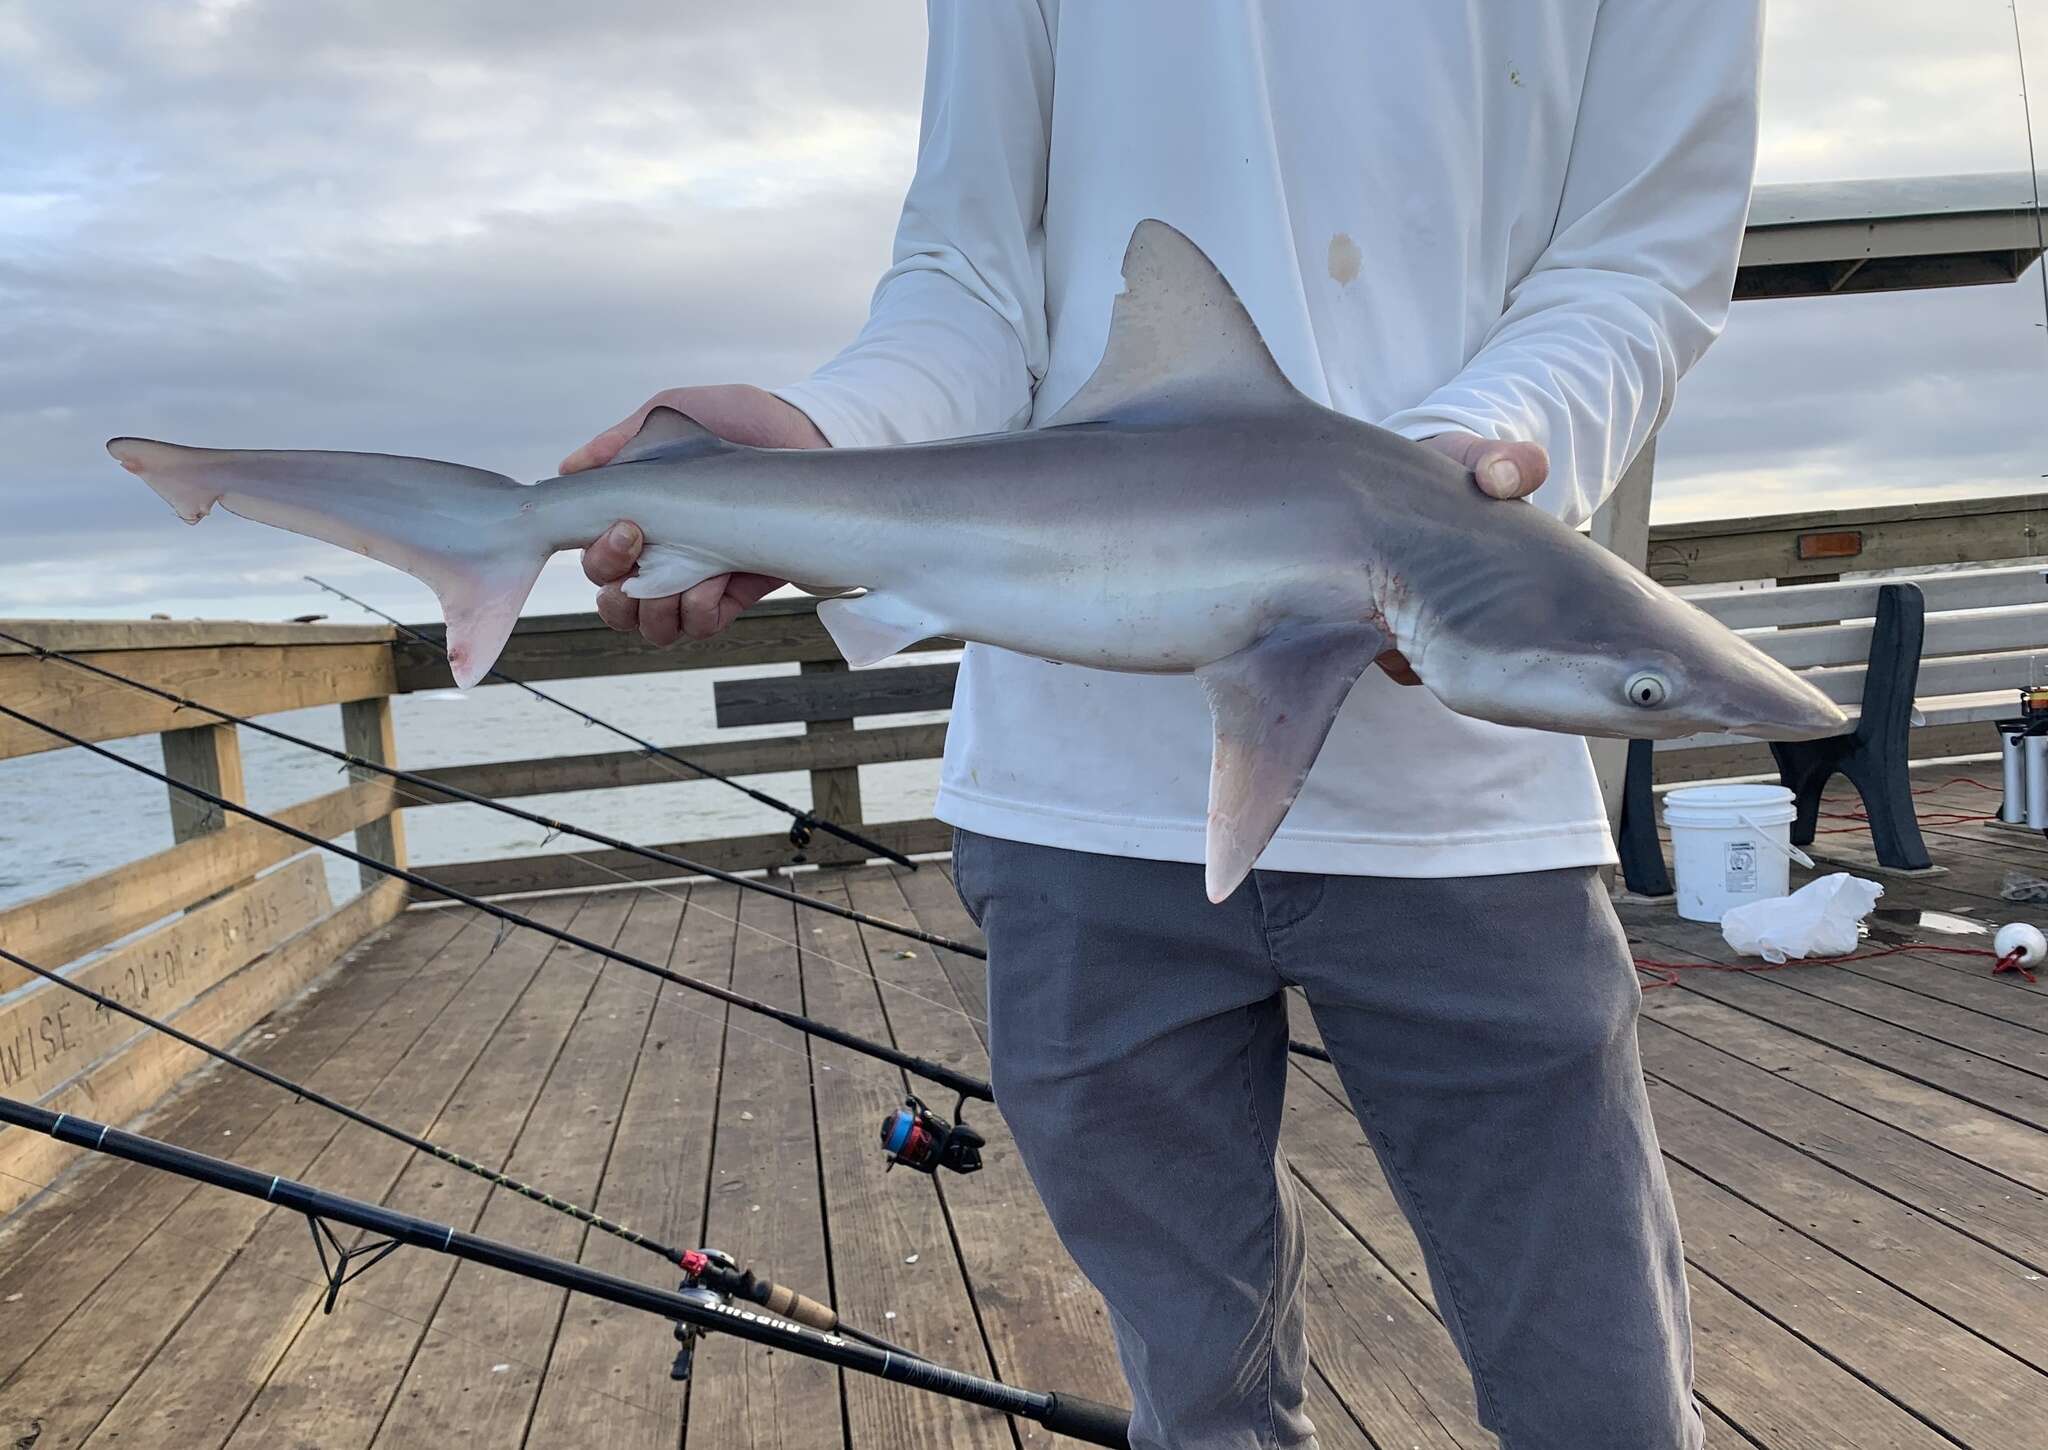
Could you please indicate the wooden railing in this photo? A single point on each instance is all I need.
(239, 918)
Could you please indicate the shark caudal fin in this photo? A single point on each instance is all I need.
(463, 532)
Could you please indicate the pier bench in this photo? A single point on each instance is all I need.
(1923, 666)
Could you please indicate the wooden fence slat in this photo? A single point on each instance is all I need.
(126, 1084)
(210, 757)
(244, 680)
(77, 636)
(780, 699)
(50, 1033)
(505, 779)
(556, 870)
(63, 925)
(366, 733)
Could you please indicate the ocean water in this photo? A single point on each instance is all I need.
(67, 814)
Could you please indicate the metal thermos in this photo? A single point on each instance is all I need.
(2012, 740)
(2036, 755)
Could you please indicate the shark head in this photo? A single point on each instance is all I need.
(1568, 638)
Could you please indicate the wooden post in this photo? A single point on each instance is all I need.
(835, 794)
(1621, 526)
(366, 731)
(210, 757)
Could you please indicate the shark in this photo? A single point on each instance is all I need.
(1187, 511)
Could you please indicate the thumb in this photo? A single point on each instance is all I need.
(1502, 470)
(605, 446)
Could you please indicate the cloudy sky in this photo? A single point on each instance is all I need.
(483, 229)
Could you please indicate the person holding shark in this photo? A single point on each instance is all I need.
(1507, 229)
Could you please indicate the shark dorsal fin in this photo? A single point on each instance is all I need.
(1180, 343)
(669, 434)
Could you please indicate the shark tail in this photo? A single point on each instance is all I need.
(469, 535)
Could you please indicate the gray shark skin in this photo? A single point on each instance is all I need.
(1189, 512)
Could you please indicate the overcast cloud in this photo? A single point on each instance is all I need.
(481, 231)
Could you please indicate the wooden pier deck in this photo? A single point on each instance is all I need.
(1859, 1153)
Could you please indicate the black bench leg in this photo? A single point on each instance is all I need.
(1642, 858)
(1874, 756)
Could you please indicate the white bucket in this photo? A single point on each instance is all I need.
(1731, 844)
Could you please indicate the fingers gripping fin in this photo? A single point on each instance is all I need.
(469, 535)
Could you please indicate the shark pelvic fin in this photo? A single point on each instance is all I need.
(868, 628)
(1273, 704)
(1180, 343)
(670, 436)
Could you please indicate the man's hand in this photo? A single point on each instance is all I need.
(734, 412)
(1502, 470)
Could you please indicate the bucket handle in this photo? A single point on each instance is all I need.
(1772, 841)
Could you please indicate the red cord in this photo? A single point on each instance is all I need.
(1667, 972)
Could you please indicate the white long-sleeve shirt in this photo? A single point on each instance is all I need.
(1518, 218)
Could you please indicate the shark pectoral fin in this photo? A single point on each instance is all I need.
(1273, 704)
(665, 569)
(868, 628)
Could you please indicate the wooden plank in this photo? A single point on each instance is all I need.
(579, 646)
(1921, 1361)
(64, 1246)
(1387, 1355)
(1896, 536)
(131, 1081)
(84, 636)
(1043, 1321)
(892, 1252)
(453, 1392)
(835, 793)
(366, 732)
(1960, 589)
(936, 904)
(765, 1202)
(243, 680)
(1814, 1009)
(1955, 634)
(1992, 1294)
(780, 699)
(335, 1384)
(1682, 762)
(505, 779)
(94, 1361)
(63, 925)
(559, 870)
(210, 757)
(200, 1384)
(51, 1033)
(655, 1182)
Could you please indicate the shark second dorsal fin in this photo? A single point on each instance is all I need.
(1180, 343)
(669, 434)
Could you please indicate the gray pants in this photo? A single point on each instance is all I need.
(1485, 1031)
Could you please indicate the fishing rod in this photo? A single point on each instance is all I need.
(718, 1270)
(456, 793)
(695, 1310)
(959, 1082)
(551, 824)
(802, 822)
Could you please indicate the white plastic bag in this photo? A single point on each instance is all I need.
(1819, 919)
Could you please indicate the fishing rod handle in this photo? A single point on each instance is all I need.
(1089, 1421)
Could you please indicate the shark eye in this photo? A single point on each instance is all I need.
(1647, 689)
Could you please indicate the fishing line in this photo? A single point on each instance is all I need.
(696, 1264)
(802, 821)
(456, 793)
(442, 794)
(963, 1084)
(694, 1311)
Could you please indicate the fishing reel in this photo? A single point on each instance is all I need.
(702, 1269)
(919, 1138)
